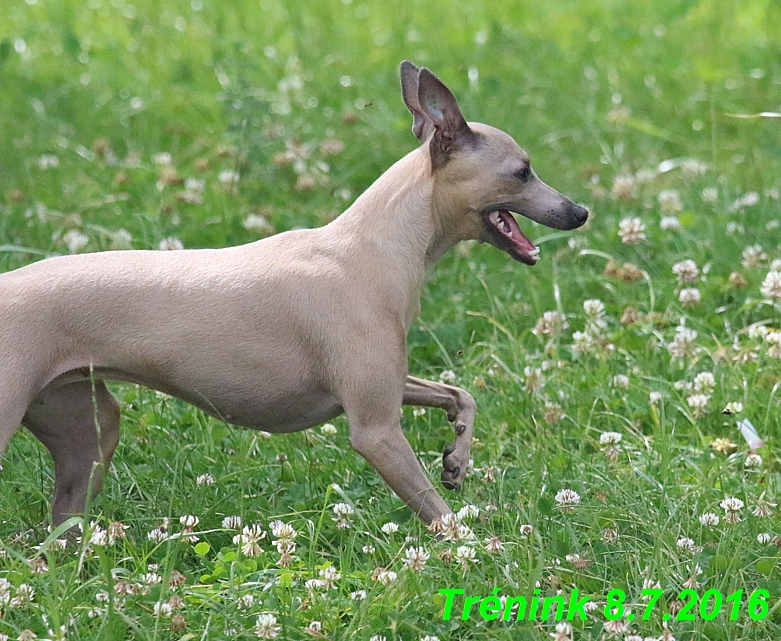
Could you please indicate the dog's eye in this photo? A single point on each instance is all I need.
(524, 173)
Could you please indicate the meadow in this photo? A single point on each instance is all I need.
(603, 458)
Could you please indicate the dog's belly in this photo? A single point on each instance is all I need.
(291, 409)
(290, 414)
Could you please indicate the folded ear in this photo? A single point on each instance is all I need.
(421, 125)
(439, 106)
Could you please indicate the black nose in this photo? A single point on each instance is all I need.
(581, 214)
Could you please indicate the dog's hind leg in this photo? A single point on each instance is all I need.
(461, 409)
(12, 408)
(79, 425)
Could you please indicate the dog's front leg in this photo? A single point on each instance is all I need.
(385, 447)
(372, 406)
(461, 409)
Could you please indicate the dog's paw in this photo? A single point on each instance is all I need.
(454, 471)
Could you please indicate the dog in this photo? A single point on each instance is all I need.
(281, 334)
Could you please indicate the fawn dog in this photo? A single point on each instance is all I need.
(281, 334)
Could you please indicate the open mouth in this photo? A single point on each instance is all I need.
(505, 234)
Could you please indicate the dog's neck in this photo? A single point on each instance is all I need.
(395, 217)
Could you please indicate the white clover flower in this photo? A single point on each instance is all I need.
(48, 161)
(231, 522)
(469, 512)
(448, 376)
(163, 609)
(249, 540)
(669, 223)
(733, 407)
(685, 542)
(314, 584)
(567, 499)
(266, 626)
(343, 513)
(205, 479)
(194, 184)
(614, 628)
(774, 340)
(699, 404)
(682, 345)
(753, 460)
(623, 187)
(704, 383)
(610, 438)
(764, 538)
(670, 201)
(748, 199)
(550, 324)
(709, 519)
(533, 379)
(170, 244)
(386, 577)
(415, 558)
(493, 545)
(686, 271)
(314, 627)
(162, 159)
(654, 398)
(158, 535)
(631, 231)
(258, 224)
(358, 595)
(771, 285)
(733, 228)
(282, 530)
(757, 331)
(692, 167)
(763, 507)
(731, 504)
(390, 528)
(228, 177)
(526, 530)
(330, 576)
(621, 381)
(689, 296)
(188, 520)
(584, 342)
(100, 537)
(753, 255)
(328, 429)
(75, 240)
(594, 308)
(245, 602)
(465, 555)
(710, 195)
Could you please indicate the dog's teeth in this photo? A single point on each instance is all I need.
(534, 252)
(494, 217)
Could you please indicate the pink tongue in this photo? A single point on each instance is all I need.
(516, 234)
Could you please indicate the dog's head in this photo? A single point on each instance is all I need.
(481, 175)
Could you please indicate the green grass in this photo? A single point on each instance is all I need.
(594, 91)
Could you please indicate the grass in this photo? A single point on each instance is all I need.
(628, 107)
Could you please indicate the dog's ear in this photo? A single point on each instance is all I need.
(421, 125)
(439, 106)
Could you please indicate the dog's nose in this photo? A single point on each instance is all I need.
(581, 214)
